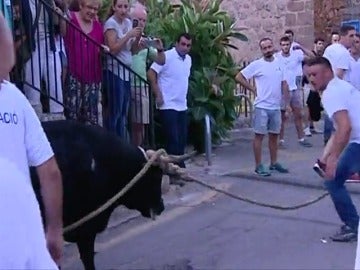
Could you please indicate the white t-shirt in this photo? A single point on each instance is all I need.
(340, 95)
(339, 57)
(125, 54)
(173, 80)
(268, 78)
(299, 53)
(353, 76)
(23, 243)
(22, 137)
(290, 64)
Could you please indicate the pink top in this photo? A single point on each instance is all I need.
(84, 59)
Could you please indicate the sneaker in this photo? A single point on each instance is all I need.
(260, 170)
(282, 144)
(278, 167)
(346, 234)
(355, 178)
(307, 132)
(320, 167)
(305, 143)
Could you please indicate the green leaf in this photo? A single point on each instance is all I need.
(198, 113)
(213, 30)
(239, 36)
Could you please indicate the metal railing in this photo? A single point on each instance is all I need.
(245, 98)
(70, 72)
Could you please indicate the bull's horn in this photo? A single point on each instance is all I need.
(173, 169)
(150, 153)
(176, 159)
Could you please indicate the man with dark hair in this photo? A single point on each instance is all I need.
(169, 83)
(270, 82)
(290, 62)
(341, 102)
(319, 46)
(354, 74)
(339, 56)
(295, 48)
(335, 37)
(338, 53)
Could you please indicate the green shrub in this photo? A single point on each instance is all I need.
(211, 87)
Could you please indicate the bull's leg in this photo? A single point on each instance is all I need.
(87, 251)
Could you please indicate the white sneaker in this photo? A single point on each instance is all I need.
(307, 132)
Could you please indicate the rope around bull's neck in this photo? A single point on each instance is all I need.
(117, 196)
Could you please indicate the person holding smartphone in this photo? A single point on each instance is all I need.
(150, 50)
(122, 39)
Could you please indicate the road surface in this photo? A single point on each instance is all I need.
(217, 232)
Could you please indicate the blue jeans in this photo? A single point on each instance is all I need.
(118, 98)
(174, 126)
(328, 128)
(348, 164)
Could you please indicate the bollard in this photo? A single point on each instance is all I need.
(208, 139)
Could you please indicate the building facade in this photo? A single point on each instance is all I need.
(307, 18)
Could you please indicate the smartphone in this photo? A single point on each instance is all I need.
(151, 42)
(135, 23)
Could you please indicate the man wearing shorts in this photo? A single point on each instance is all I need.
(269, 84)
(140, 109)
(290, 60)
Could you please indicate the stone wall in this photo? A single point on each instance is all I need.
(269, 18)
(330, 13)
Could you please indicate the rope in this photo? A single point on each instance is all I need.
(186, 178)
(121, 193)
(247, 200)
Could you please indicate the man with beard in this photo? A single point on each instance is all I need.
(340, 58)
(269, 84)
(170, 83)
(341, 102)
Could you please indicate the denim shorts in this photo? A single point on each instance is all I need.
(296, 100)
(267, 121)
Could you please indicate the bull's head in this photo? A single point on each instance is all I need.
(146, 194)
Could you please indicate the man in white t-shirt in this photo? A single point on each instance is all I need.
(339, 56)
(341, 102)
(354, 74)
(338, 53)
(169, 84)
(24, 143)
(269, 84)
(290, 61)
(295, 50)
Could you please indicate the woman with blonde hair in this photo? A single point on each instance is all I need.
(84, 62)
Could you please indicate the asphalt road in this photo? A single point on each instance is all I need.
(217, 232)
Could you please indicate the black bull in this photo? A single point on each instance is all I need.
(95, 165)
